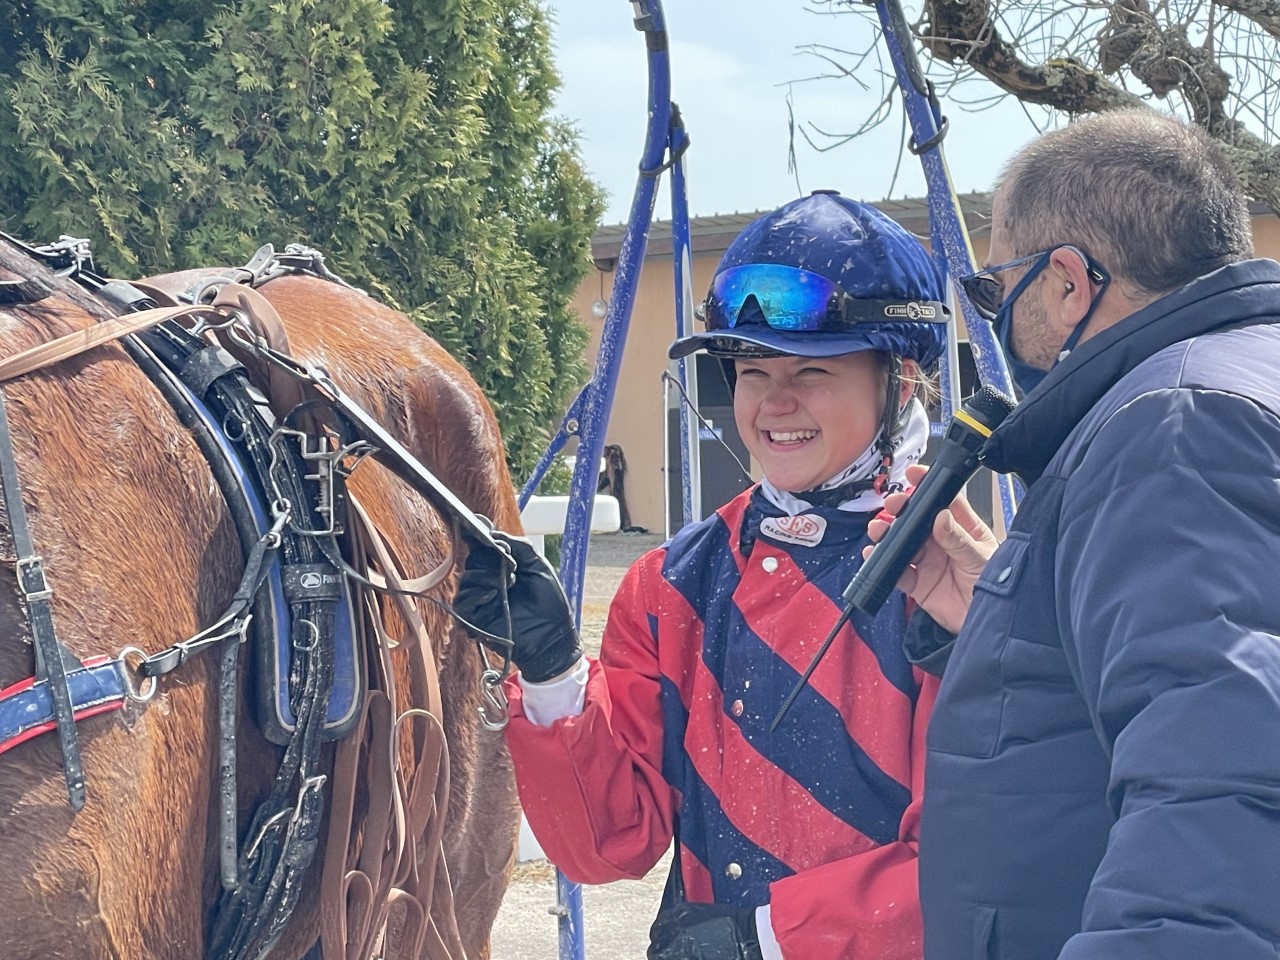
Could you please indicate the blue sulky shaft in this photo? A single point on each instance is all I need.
(949, 238)
(588, 416)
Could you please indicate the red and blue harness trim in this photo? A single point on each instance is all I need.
(97, 686)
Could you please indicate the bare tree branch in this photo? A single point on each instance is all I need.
(1158, 54)
(1265, 13)
(1212, 61)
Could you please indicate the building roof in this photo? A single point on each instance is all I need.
(712, 235)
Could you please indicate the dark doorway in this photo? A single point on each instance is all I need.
(722, 477)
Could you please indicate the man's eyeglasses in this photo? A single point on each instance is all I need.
(986, 292)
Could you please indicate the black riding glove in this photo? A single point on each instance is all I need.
(704, 931)
(545, 641)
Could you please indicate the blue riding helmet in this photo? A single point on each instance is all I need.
(820, 277)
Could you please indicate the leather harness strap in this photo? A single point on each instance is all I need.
(52, 659)
(285, 392)
(75, 343)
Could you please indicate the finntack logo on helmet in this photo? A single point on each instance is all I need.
(912, 310)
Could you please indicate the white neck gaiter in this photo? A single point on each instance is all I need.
(908, 447)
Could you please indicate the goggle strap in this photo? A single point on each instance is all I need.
(851, 312)
(888, 424)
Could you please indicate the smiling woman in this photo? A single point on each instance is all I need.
(801, 840)
(805, 419)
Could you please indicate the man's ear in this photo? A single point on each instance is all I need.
(1068, 292)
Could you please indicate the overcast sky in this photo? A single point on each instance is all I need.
(733, 62)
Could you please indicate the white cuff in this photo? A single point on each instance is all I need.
(559, 697)
(769, 948)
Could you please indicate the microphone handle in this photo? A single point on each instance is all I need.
(876, 579)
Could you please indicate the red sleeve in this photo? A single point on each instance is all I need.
(867, 906)
(592, 785)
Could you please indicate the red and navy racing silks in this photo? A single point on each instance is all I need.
(705, 638)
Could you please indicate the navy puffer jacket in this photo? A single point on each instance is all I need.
(1103, 773)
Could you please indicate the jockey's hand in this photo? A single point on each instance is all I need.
(704, 931)
(541, 629)
(942, 575)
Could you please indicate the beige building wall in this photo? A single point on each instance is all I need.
(636, 423)
(638, 418)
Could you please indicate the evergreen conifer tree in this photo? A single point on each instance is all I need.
(411, 141)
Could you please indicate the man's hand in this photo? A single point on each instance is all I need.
(545, 641)
(704, 931)
(942, 575)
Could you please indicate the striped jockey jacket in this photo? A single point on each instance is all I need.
(705, 638)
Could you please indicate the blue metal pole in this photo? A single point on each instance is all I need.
(686, 367)
(568, 425)
(598, 398)
(590, 414)
(950, 240)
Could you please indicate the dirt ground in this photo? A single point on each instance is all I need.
(609, 557)
(616, 916)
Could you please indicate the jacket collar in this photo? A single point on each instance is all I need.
(842, 526)
(1238, 294)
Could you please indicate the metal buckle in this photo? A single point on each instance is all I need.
(33, 566)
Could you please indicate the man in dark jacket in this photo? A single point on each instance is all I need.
(1103, 772)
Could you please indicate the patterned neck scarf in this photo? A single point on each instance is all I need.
(851, 489)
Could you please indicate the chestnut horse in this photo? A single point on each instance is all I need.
(140, 551)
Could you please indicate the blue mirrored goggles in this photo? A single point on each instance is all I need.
(788, 298)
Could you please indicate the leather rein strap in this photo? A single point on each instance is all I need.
(388, 864)
(75, 343)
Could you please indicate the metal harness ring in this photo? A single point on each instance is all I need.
(138, 688)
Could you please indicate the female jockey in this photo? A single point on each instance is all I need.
(798, 843)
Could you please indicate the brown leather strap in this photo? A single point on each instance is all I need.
(162, 298)
(80, 341)
(284, 391)
(419, 585)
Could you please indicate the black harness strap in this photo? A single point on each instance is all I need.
(30, 290)
(51, 656)
(262, 884)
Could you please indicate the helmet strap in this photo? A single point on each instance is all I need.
(890, 420)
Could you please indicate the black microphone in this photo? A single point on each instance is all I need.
(956, 462)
